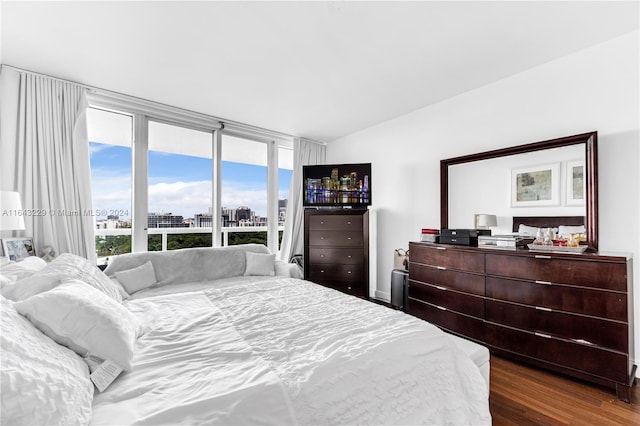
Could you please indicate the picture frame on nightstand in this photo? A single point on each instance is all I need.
(17, 249)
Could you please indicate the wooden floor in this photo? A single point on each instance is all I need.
(524, 395)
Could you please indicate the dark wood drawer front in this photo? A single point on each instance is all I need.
(335, 223)
(452, 300)
(335, 238)
(351, 256)
(446, 257)
(607, 334)
(332, 272)
(353, 288)
(569, 299)
(462, 281)
(585, 358)
(457, 323)
(605, 275)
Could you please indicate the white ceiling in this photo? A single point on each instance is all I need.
(320, 70)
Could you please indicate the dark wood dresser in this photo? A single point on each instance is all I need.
(336, 249)
(571, 313)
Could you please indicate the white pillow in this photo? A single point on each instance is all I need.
(85, 320)
(18, 270)
(566, 230)
(12, 272)
(260, 264)
(121, 290)
(42, 382)
(64, 267)
(528, 230)
(137, 279)
(6, 281)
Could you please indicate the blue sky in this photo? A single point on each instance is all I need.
(178, 184)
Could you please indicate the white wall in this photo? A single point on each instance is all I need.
(593, 89)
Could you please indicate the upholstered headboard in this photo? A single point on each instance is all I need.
(547, 221)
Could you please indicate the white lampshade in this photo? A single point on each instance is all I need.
(11, 217)
(486, 220)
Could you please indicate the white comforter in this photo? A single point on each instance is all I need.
(285, 351)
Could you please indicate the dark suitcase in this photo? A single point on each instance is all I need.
(399, 283)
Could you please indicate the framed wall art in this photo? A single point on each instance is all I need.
(535, 186)
(17, 249)
(575, 183)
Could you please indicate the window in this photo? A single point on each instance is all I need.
(179, 187)
(244, 191)
(155, 174)
(110, 142)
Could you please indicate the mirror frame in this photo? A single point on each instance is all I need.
(591, 165)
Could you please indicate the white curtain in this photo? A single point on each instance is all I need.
(51, 164)
(304, 153)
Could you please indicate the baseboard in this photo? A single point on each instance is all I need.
(383, 295)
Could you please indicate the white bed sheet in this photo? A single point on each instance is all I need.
(192, 367)
(286, 351)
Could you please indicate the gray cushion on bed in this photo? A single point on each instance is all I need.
(190, 265)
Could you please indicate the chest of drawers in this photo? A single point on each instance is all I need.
(446, 287)
(569, 313)
(336, 249)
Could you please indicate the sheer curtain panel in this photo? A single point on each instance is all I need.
(304, 153)
(51, 163)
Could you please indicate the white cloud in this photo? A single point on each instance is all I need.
(112, 192)
(95, 148)
(189, 198)
(180, 198)
(234, 196)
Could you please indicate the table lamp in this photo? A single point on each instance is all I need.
(484, 221)
(11, 218)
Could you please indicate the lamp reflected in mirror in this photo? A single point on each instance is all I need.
(485, 221)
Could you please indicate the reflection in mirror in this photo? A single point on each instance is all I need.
(486, 187)
(549, 178)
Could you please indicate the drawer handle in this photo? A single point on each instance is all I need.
(442, 308)
(439, 287)
(542, 256)
(582, 341)
(543, 282)
(541, 308)
(322, 271)
(348, 272)
(441, 268)
(441, 248)
(322, 238)
(348, 238)
(349, 223)
(348, 256)
(546, 336)
(322, 255)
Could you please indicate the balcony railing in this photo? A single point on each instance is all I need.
(165, 232)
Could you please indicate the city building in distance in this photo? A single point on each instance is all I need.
(241, 216)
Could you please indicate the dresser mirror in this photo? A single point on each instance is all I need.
(553, 178)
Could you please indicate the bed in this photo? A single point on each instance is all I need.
(272, 349)
(547, 221)
(561, 227)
